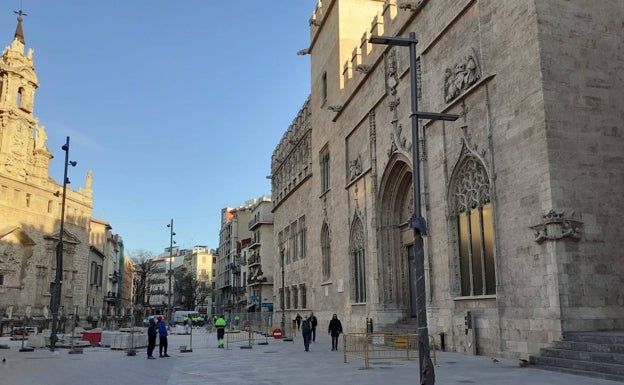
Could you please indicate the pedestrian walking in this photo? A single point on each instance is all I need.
(298, 321)
(306, 331)
(162, 332)
(313, 324)
(220, 325)
(151, 338)
(334, 329)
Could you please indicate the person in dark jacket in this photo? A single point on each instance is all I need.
(313, 324)
(306, 331)
(151, 339)
(298, 319)
(162, 332)
(335, 328)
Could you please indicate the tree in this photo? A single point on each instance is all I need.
(144, 269)
(188, 287)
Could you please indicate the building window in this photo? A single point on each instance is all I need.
(93, 274)
(19, 97)
(304, 300)
(27, 200)
(472, 210)
(287, 295)
(358, 262)
(324, 87)
(325, 252)
(49, 207)
(324, 163)
(1, 280)
(295, 294)
(302, 242)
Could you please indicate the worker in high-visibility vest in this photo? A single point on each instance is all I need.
(220, 325)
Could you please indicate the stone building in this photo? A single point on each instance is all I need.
(260, 261)
(234, 236)
(521, 195)
(30, 202)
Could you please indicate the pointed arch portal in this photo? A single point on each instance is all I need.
(396, 237)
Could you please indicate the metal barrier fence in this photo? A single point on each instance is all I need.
(245, 337)
(382, 346)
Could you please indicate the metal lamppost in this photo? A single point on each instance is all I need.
(169, 312)
(55, 299)
(417, 222)
(283, 323)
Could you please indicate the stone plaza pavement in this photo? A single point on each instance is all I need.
(277, 363)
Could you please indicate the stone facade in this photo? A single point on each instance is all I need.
(30, 202)
(521, 194)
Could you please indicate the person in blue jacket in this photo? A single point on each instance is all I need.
(162, 332)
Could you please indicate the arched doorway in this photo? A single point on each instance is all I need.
(396, 237)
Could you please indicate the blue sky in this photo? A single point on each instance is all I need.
(176, 106)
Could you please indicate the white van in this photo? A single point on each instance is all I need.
(178, 316)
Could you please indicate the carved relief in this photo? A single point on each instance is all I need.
(355, 168)
(398, 140)
(555, 226)
(461, 76)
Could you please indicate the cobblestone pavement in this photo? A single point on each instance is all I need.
(277, 363)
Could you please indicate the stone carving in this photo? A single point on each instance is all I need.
(41, 138)
(355, 168)
(410, 5)
(470, 186)
(460, 77)
(557, 226)
(392, 74)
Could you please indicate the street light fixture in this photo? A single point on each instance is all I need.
(55, 298)
(171, 242)
(283, 323)
(417, 222)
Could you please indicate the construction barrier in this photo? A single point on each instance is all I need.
(382, 346)
(244, 337)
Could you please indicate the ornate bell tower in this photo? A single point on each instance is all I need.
(23, 153)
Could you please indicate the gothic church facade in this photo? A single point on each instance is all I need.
(522, 195)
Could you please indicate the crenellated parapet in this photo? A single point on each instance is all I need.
(290, 162)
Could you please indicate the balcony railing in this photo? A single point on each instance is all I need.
(259, 220)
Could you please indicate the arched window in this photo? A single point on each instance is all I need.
(472, 212)
(19, 97)
(357, 252)
(325, 252)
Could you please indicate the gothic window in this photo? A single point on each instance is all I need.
(302, 237)
(287, 295)
(472, 213)
(304, 300)
(324, 162)
(358, 262)
(295, 291)
(324, 87)
(325, 252)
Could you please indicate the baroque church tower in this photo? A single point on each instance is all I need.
(23, 154)
(31, 203)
